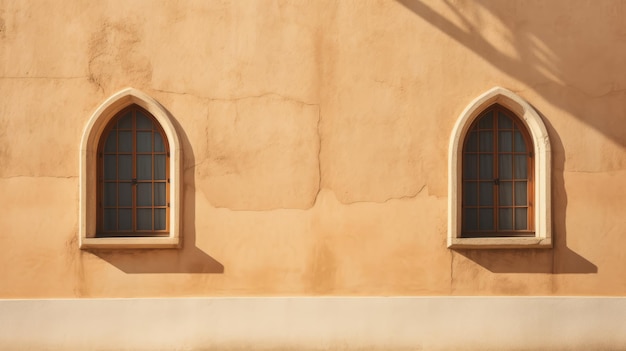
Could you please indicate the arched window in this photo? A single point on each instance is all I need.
(130, 176)
(499, 175)
(133, 185)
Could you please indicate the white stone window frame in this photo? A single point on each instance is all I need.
(88, 174)
(542, 176)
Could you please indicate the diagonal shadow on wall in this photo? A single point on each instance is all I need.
(541, 62)
(543, 58)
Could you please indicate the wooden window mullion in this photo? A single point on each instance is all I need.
(496, 172)
(152, 158)
(167, 182)
(134, 172)
(117, 176)
(477, 181)
(514, 177)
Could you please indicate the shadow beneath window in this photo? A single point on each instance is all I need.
(565, 260)
(188, 259)
(558, 260)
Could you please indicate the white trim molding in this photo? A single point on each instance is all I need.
(542, 176)
(88, 177)
(315, 323)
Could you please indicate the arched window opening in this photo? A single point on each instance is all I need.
(130, 176)
(497, 177)
(133, 164)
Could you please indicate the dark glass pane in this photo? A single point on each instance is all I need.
(485, 141)
(520, 144)
(505, 141)
(144, 141)
(506, 219)
(110, 145)
(125, 142)
(144, 219)
(485, 218)
(159, 194)
(521, 219)
(521, 197)
(125, 195)
(506, 193)
(470, 166)
(159, 219)
(126, 219)
(110, 169)
(486, 193)
(159, 167)
(486, 167)
(144, 167)
(506, 167)
(110, 192)
(470, 193)
(125, 122)
(110, 220)
(521, 172)
(486, 121)
(144, 194)
(470, 219)
(126, 167)
(471, 145)
(143, 122)
(158, 143)
(504, 122)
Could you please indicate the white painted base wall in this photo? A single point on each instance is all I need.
(316, 323)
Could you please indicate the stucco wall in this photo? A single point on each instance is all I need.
(315, 323)
(315, 139)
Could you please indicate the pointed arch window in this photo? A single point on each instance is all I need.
(130, 176)
(499, 175)
(133, 186)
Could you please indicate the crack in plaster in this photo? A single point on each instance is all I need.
(319, 151)
(319, 155)
(42, 77)
(235, 99)
(611, 91)
(451, 270)
(405, 197)
(92, 76)
(594, 172)
(195, 164)
(264, 95)
(37, 176)
(238, 98)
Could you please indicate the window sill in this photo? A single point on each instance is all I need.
(130, 243)
(500, 243)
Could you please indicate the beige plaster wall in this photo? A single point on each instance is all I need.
(315, 139)
(432, 323)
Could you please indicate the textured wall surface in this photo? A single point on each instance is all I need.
(315, 138)
(315, 323)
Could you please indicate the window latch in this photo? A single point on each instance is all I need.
(496, 181)
(133, 181)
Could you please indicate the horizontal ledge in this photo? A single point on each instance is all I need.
(315, 323)
(130, 243)
(500, 243)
